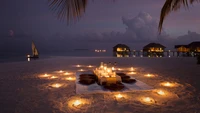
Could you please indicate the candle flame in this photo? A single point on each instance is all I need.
(77, 103)
(118, 96)
(53, 77)
(56, 85)
(148, 100)
(160, 92)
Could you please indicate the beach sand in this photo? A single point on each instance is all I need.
(24, 89)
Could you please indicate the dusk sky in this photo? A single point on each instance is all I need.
(131, 20)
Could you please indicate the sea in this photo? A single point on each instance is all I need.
(72, 53)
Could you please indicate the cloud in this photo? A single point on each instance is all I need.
(142, 27)
(190, 37)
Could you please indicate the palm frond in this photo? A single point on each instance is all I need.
(172, 5)
(71, 10)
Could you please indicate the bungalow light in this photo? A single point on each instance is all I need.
(89, 66)
(60, 71)
(78, 66)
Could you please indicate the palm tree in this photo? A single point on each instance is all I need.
(72, 10)
(172, 5)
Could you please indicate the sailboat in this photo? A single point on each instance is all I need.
(35, 53)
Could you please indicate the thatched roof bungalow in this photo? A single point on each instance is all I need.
(194, 47)
(182, 48)
(154, 47)
(153, 50)
(121, 48)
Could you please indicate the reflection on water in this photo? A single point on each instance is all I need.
(29, 59)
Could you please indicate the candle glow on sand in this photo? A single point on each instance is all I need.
(148, 100)
(90, 66)
(119, 96)
(45, 75)
(53, 77)
(67, 73)
(160, 92)
(70, 78)
(149, 75)
(132, 73)
(81, 70)
(56, 85)
(78, 102)
(168, 84)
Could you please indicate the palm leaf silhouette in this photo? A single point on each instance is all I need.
(172, 5)
(71, 10)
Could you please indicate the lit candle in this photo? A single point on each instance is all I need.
(160, 92)
(118, 96)
(113, 68)
(77, 103)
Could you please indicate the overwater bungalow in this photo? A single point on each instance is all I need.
(153, 50)
(121, 50)
(192, 49)
(183, 49)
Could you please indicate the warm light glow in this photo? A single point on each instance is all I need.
(160, 92)
(81, 70)
(148, 100)
(108, 70)
(149, 75)
(56, 85)
(89, 66)
(118, 96)
(132, 73)
(45, 75)
(53, 77)
(78, 66)
(167, 84)
(119, 69)
(77, 103)
(67, 73)
(113, 68)
(60, 71)
(132, 68)
(70, 78)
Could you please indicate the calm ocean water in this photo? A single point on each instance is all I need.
(18, 58)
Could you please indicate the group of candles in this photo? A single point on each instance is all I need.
(105, 71)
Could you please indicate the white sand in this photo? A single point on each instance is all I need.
(22, 90)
